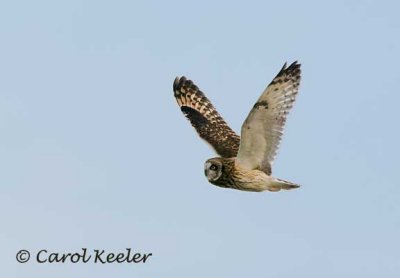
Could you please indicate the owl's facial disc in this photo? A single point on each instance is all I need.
(212, 170)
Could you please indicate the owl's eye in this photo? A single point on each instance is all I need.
(213, 167)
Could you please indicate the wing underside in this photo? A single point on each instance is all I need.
(263, 128)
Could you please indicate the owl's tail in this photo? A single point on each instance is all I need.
(278, 184)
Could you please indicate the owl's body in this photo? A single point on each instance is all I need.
(245, 162)
(229, 174)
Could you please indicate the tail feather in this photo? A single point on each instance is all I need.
(278, 184)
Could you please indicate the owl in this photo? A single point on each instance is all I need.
(245, 161)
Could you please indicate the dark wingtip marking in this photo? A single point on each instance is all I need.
(178, 83)
(182, 82)
(293, 69)
(283, 68)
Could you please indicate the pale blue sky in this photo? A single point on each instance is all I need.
(95, 153)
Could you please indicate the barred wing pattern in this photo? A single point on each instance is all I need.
(263, 128)
(205, 118)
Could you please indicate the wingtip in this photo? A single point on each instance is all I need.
(292, 66)
(294, 69)
(283, 68)
(178, 82)
(295, 64)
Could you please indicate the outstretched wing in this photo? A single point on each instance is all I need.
(205, 118)
(263, 128)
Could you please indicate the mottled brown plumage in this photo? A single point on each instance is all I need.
(246, 162)
(205, 118)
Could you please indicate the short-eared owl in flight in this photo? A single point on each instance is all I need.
(245, 162)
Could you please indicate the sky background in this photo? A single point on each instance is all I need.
(95, 153)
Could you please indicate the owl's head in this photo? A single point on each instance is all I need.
(217, 169)
(213, 169)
